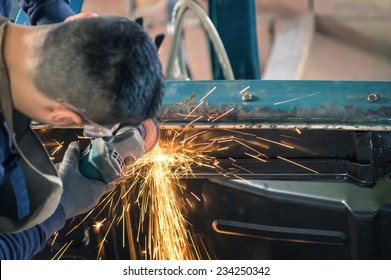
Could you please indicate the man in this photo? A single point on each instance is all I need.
(98, 71)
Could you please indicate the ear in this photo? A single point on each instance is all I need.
(63, 116)
(81, 15)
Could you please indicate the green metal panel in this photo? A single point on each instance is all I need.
(320, 104)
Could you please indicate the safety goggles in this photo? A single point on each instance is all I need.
(91, 128)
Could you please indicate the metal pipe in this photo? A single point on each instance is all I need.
(176, 57)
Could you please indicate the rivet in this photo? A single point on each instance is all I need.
(373, 97)
(246, 97)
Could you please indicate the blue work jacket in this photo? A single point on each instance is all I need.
(27, 243)
(40, 11)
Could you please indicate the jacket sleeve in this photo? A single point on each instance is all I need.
(26, 244)
(46, 11)
(6, 8)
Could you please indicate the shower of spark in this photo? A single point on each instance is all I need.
(158, 175)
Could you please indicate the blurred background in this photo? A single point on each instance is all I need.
(318, 39)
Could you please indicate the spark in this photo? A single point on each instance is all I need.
(193, 194)
(242, 179)
(203, 245)
(297, 98)
(194, 136)
(98, 224)
(193, 121)
(105, 238)
(57, 148)
(123, 226)
(188, 201)
(230, 110)
(242, 168)
(275, 142)
(54, 237)
(295, 163)
(256, 157)
(202, 102)
(240, 132)
(190, 140)
(62, 250)
(225, 140)
(192, 242)
(206, 95)
(248, 147)
(291, 137)
(243, 90)
(186, 115)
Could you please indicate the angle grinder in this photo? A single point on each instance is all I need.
(109, 159)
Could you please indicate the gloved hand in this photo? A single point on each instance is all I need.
(80, 194)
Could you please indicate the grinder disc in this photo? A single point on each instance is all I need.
(150, 132)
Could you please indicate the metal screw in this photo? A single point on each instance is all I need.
(373, 97)
(246, 97)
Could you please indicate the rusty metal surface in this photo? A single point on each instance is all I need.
(310, 104)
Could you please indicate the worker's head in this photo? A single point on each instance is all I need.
(106, 69)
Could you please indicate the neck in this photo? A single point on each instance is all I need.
(21, 55)
(21, 52)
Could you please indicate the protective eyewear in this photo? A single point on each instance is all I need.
(92, 129)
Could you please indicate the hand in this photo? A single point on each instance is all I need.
(80, 194)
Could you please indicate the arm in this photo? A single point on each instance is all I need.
(46, 11)
(6, 8)
(25, 244)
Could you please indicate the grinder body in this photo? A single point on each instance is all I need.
(109, 159)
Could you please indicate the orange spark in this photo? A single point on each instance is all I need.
(295, 163)
(230, 110)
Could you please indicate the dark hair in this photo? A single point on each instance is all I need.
(107, 68)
